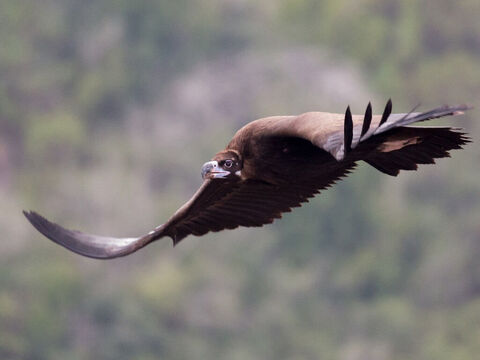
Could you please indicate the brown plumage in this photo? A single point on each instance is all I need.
(275, 164)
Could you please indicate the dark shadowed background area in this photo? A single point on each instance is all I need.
(109, 108)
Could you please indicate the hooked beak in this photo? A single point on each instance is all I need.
(211, 170)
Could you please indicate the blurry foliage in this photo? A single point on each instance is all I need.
(54, 135)
(376, 268)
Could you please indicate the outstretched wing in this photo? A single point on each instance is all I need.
(338, 134)
(103, 247)
(360, 130)
(252, 203)
(94, 246)
(216, 206)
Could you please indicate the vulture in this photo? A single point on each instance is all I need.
(274, 164)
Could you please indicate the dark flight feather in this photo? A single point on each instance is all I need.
(386, 112)
(348, 131)
(367, 120)
(285, 160)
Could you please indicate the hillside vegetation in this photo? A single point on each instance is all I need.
(109, 108)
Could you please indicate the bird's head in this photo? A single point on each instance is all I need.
(226, 164)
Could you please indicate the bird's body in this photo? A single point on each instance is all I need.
(274, 164)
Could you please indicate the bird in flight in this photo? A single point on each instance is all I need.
(274, 164)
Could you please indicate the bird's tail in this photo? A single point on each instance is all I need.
(405, 147)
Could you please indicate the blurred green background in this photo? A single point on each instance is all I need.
(108, 108)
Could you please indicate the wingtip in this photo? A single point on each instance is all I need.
(367, 119)
(461, 109)
(389, 104)
(369, 108)
(39, 223)
(30, 215)
(348, 130)
(386, 112)
(464, 107)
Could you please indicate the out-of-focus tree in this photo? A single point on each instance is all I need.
(98, 100)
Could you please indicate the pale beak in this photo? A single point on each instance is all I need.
(211, 170)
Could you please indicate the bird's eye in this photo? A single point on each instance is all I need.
(228, 163)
